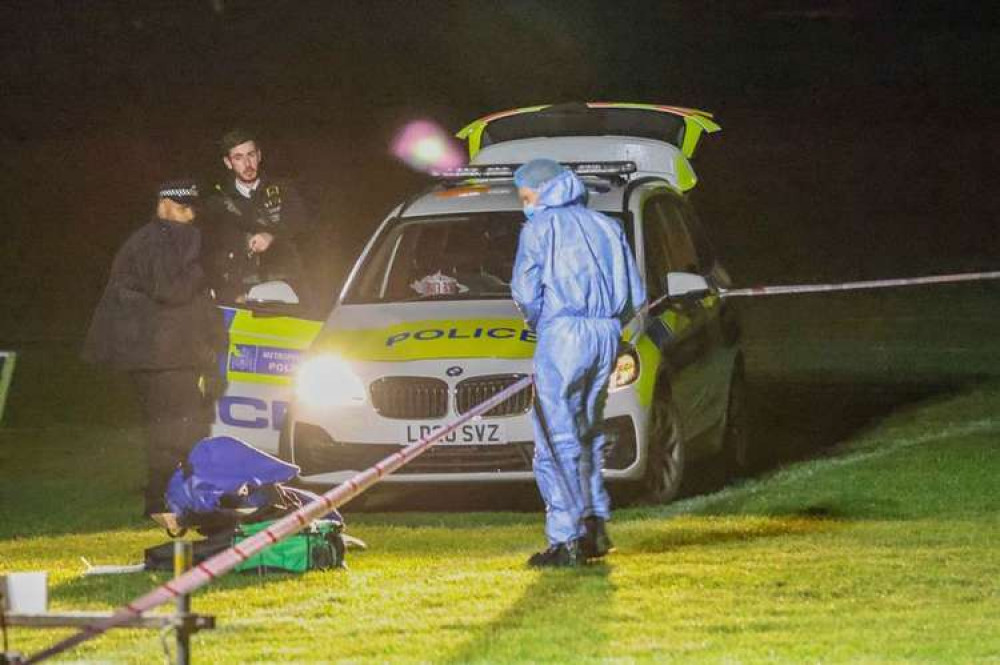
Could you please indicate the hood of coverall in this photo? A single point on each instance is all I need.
(563, 189)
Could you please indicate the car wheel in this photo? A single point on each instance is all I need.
(736, 443)
(665, 465)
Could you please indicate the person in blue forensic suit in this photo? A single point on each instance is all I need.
(576, 283)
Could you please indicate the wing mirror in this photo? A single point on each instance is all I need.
(271, 293)
(686, 286)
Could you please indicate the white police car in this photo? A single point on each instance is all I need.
(425, 327)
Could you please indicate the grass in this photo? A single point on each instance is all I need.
(876, 545)
(884, 552)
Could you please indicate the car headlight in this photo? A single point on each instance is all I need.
(327, 380)
(626, 370)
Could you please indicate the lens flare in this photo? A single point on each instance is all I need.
(424, 146)
(327, 380)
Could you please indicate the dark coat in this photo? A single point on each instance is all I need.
(229, 219)
(275, 207)
(156, 313)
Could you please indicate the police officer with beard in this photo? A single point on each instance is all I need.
(157, 322)
(252, 224)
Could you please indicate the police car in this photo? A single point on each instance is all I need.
(425, 328)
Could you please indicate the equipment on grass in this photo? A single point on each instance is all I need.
(320, 546)
(225, 561)
(229, 491)
(226, 482)
(317, 547)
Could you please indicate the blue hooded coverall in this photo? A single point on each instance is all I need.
(576, 282)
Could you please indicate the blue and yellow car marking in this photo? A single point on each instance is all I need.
(432, 339)
(266, 349)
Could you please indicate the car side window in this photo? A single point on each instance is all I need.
(654, 245)
(706, 252)
(681, 252)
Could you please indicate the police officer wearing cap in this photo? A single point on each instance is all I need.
(253, 223)
(157, 322)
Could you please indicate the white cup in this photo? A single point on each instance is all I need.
(25, 593)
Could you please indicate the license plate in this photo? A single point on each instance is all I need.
(469, 434)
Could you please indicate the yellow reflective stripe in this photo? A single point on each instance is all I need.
(474, 134)
(298, 333)
(694, 126)
(686, 177)
(649, 361)
(650, 355)
(424, 340)
(676, 322)
(249, 377)
(279, 332)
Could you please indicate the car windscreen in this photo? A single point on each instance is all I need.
(453, 257)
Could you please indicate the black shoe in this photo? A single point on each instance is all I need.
(563, 555)
(595, 542)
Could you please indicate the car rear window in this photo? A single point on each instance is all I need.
(579, 120)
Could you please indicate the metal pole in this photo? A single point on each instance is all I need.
(183, 559)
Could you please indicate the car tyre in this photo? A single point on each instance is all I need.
(664, 475)
(736, 451)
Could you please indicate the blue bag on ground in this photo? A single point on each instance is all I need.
(223, 477)
(228, 490)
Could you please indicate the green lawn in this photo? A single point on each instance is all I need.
(875, 545)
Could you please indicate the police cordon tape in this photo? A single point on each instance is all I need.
(858, 286)
(789, 289)
(226, 560)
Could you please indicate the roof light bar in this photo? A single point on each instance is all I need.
(477, 172)
(602, 168)
(487, 171)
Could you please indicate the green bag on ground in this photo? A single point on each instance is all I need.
(319, 546)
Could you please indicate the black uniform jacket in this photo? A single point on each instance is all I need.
(156, 312)
(230, 219)
(274, 207)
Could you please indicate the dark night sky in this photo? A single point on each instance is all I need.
(858, 137)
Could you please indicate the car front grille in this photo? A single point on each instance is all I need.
(477, 390)
(410, 397)
(424, 397)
